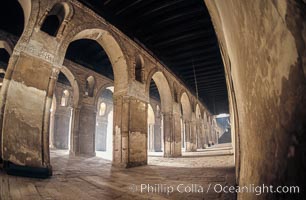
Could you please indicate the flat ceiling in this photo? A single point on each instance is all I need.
(177, 32)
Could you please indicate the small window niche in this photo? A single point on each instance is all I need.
(65, 98)
(102, 109)
(55, 20)
(90, 86)
(139, 69)
(175, 99)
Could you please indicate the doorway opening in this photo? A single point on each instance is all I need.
(104, 124)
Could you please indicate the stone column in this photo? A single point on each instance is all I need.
(157, 134)
(168, 135)
(102, 126)
(62, 128)
(74, 137)
(150, 137)
(203, 134)
(172, 135)
(129, 132)
(51, 132)
(87, 130)
(27, 102)
(188, 136)
(209, 134)
(193, 135)
(177, 130)
(199, 135)
(101, 132)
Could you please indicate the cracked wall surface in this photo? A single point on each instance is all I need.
(264, 42)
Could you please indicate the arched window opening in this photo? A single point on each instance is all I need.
(61, 112)
(157, 111)
(175, 95)
(104, 124)
(53, 20)
(65, 98)
(161, 97)
(51, 25)
(151, 125)
(139, 69)
(90, 86)
(90, 54)
(102, 109)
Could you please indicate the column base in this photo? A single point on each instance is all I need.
(26, 171)
(129, 165)
(83, 154)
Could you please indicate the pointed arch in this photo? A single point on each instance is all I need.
(163, 88)
(54, 21)
(186, 106)
(113, 50)
(74, 84)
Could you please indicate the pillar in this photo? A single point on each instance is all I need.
(101, 132)
(130, 131)
(193, 135)
(200, 140)
(61, 132)
(177, 130)
(51, 131)
(188, 147)
(87, 128)
(25, 105)
(151, 138)
(74, 136)
(157, 134)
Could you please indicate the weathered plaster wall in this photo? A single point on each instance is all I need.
(264, 43)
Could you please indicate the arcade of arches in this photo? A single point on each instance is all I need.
(90, 112)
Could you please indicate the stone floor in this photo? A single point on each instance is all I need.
(94, 178)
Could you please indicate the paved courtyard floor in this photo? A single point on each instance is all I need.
(190, 177)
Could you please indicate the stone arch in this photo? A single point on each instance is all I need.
(103, 135)
(186, 106)
(74, 85)
(112, 48)
(59, 16)
(6, 51)
(100, 91)
(7, 46)
(75, 105)
(27, 8)
(151, 132)
(163, 87)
